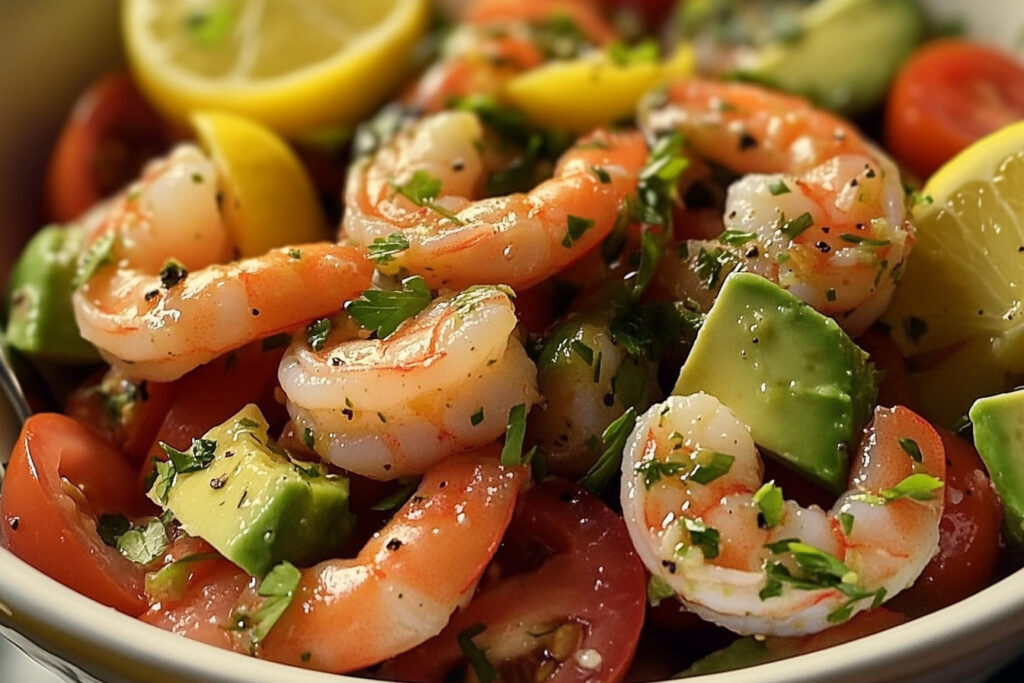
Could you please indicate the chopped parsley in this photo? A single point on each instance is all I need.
(112, 527)
(476, 657)
(383, 311)
(295, 254)
(576, 227)
(278, 587)
(652, 471)
(769, 500)
(99, 254)
(383, 249)
(702, 536)
(601, 174)
(778, 187)
(613, 438)
(866, 241)
(477, 417)
(512, 451)
(145, 543)
(657, 181)
(317, 333)
(846, 521)
(735, 238)
(793, 228)
(650, 254)
(197, 457)
(711, 262)
(422, 189)
(710, 466)
(911, 448)
(211, 25)
(914, 327)
(276, 341)
(583, 351)
(308, 438)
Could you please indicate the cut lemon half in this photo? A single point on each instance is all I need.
(965, 276)
(297, 66)
(268, 199)
(581, 94)
(961, 297)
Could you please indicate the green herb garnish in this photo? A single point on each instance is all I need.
(422, 189)
(383, 249)
(383, 311)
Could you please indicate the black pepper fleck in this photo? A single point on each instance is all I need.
(394, 544)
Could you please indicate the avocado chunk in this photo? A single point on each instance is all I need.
(242, 493)
(790, 373)
(41, 323)
(841, 54)
(999, 437)
(740, 654)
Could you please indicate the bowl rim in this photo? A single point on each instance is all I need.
(933, 644)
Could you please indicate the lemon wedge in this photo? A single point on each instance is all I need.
(297, 66)
(961, 297)
(268, 200)
(581, 94)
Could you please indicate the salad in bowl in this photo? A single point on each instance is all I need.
(565, 340)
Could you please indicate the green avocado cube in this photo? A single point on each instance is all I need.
(41, 323)
(999, 437)
(788, 372)
(253, 502)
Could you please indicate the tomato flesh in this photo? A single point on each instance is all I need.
(61, 477)
(570, 587)
(947, 95)
(968, 535)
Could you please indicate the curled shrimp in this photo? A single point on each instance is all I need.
(456, 240)
(444, 382)
(823, 211)
(407, 581)
(692, 495)
(499, 39)
(161, 300)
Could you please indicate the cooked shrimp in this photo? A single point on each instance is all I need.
(405, 583)
(499, 39)
(161, 301)
(700, 533)
(456, 241)
(443, 383)
(825, 210)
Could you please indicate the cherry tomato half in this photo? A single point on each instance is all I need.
(111, 132)
(61, 477)
(968, 534)
(946, 96)
(567, 603)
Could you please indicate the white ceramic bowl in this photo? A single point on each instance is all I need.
(51, 50)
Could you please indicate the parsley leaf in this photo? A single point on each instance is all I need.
(512, 451)
(778, 187)
(769, 499)
(476, 657)
(917, 486)
(112, 527)
(710, 466)
(657, 181)
(171, 274)
(397, 499)
(422, 189)
(144, 544)
(279, 588)
(383, 311)
(702, 536)
(653, 470)
(736, 238)
(796, 226)
(576, 227)
(477, 417)
(614, 440)
(197, 457)
(866, 241)
(650, 255)
(645, 52)
(99, 254)
(846, 520)
(317, 333)
(911, 448)
(383, 249)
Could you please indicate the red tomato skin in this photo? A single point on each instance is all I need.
(204, 610)
(98, 148)
(60, 478)
(946, 96)
(592, 577)
(969, 542)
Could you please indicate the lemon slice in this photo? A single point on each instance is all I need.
(295, 65)
(961, 297)
(581, 94)
(268, 200)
